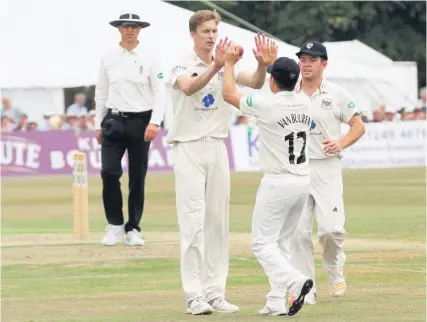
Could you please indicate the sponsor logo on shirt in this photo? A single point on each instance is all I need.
(208, 100)
(313, 128)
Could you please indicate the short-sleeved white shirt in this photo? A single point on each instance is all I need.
(331, 106)
(203, 114)
(284, 126)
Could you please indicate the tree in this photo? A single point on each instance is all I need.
(397, 29)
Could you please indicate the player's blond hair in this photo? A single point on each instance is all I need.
(201, 16)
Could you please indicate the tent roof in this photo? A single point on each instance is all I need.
(355, 50)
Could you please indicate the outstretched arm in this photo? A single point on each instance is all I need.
(229, 92)
(265, 54)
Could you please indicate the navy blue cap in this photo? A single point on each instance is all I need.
(313, 48)
(285, 71)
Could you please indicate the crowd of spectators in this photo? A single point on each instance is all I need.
(80, 118)
(77, 116)
(417, 112)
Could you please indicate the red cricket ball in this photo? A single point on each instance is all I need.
(241, 51)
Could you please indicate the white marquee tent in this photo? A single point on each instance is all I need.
(58, 44)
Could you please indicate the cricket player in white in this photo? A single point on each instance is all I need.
(284, 121)
(331, 106)
(202, 176)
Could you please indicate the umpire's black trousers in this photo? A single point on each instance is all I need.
(121, 132)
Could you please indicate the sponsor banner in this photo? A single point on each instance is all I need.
(35, 153)
(388, 144)
(51, 153)
(385, 144)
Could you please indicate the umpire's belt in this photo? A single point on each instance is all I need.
(130, 114)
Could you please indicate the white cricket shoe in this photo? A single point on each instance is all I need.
(310, 298)
(114, 234)
(337, 285)
(268, 311)
(133, 238)
(222, 306)
(199, 306)
(296, 302)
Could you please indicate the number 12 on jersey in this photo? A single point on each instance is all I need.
(292, 145)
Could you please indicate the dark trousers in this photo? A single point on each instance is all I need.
(120, 133)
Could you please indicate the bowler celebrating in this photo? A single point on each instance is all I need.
(200, 124)
(284, 121)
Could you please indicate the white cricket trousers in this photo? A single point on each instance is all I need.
(326, 203)
(202, 187)
(279, 204)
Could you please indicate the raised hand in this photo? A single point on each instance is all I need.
(220, 52)
(232, 54)
(265, 51)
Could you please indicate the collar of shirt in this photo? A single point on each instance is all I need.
(286, 94)
(198, 61)
(136, 50)
(324, 88)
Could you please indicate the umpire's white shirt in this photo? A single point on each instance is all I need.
(284, 124)
(203, 114)
(130, 81)
(331, 106)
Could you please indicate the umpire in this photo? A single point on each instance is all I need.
(130, 106)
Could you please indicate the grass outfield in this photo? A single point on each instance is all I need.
(48, 276)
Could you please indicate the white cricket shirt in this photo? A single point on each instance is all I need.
(284, 126)
(331, 106)
(203, 114)
(130, 81)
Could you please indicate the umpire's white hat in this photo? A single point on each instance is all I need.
(128, 19)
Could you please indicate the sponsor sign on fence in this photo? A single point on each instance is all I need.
(387, 144)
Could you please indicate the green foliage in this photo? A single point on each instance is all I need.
(397, 29)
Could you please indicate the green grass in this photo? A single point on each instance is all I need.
(385, 203)
(65, 281)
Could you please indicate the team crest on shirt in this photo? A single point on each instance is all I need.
(141, 69)
(326, 104)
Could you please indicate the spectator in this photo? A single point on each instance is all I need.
(8, 110)
(22, 123)
(32, 126)
(44, 126)
(56, 122)
(83, 123)
(6, 124)
(78, 108)
(408, 115)
(390, 115)
(378, 114)
(420, 113)
(71, 121)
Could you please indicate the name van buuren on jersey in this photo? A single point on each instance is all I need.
(295, 118)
